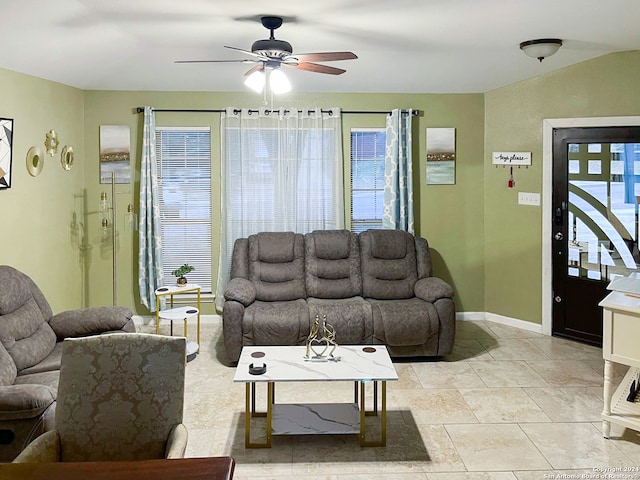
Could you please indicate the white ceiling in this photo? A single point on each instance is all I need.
(410, 46)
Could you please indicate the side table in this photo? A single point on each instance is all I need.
(183, 313)
(620, 332)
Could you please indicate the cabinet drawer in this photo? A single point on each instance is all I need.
(624, 342)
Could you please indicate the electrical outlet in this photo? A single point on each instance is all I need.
(527, 198)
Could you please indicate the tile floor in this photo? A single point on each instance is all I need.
(506, 404)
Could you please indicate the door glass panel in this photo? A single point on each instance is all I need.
(604, 188)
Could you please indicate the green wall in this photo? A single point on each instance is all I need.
(39, 236)
(485, 244)
(606, 86)
(450, 216)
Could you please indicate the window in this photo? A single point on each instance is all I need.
(279, 173)
(367, 178)
(183, 157)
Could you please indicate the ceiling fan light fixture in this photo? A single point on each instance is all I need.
(255, 81)
(541, 48)
(278, 82)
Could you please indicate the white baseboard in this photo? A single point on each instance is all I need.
(151, 320)
(500, 319)
(470, 316)
(462, 316)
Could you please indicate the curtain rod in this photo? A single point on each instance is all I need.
(141, 110)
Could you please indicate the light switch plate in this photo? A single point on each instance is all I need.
(528, 198)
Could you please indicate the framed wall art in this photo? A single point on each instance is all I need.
(6, 151)
(441, 156)
(115, 148)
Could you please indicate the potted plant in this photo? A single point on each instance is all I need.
(181, 272)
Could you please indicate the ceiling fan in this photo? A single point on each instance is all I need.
(271, 53)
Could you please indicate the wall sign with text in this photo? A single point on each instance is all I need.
(511, 158)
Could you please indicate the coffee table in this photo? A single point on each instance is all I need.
(361, 364)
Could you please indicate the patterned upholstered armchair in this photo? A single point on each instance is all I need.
(120, 397)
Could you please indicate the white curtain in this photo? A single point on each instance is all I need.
(281, 171)
(398, 173)
(150, 274)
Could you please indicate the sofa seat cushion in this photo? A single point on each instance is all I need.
(276, 323)
(349, 317)
(47, 379)
(50, 363)
(404, 322)
(29, 396)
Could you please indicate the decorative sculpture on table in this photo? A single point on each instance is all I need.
(328, 340)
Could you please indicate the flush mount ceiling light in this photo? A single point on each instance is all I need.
(541, 48)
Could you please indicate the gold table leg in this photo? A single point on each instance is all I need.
(250, 411)
(364, 413)
(198, 327)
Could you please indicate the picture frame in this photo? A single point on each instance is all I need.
(6, 152)
(115, 151)
(441, 156)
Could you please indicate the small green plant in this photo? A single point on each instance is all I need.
(183, 270)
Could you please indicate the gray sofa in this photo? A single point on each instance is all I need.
(30, 352)
(374, 288)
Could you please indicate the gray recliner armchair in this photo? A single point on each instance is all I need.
(267, 282)
(30, 352)
(413, 311)
(334, 285)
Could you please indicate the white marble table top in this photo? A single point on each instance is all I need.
(178, 313)
(287, 364)
(177, 289)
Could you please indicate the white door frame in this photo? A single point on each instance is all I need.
(547, 187)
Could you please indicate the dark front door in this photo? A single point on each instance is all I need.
(595, 223)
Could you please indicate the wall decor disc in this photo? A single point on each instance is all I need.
(67, 157)
(51, 142)
(35, 161)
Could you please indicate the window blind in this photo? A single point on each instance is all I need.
(367, 178)
(183, 156)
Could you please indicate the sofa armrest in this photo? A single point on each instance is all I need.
(241, 290)
(431, 289)
(25, 401)
(44, 449)
(91, 321)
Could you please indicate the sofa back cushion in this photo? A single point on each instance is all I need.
(276, 265)
(24, 314)
(389, 264)
(8, 370)
(332, 264)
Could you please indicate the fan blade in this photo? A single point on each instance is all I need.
(254, 69)
(314, 67)
(325, 57)
(216, 61)
(248, 52)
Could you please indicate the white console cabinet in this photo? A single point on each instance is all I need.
(620, 344)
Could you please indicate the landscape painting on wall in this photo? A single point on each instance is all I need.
(115, 148)
(441, 156)
(6, 151)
